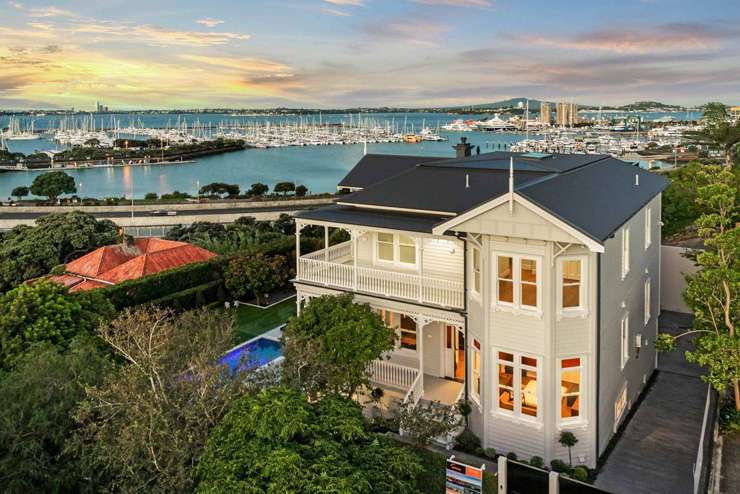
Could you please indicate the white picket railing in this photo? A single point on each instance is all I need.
(389, 374)
(333, 253)
(425, 289)
(416, 390)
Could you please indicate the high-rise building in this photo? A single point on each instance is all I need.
(567, 114)
(545, 116)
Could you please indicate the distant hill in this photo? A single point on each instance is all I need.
(534, 104)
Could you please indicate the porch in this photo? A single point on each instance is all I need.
(352, 267)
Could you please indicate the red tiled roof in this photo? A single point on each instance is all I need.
(116, 263)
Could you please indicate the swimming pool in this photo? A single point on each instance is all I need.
(252, 354)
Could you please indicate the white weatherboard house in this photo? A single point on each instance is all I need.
(526, 283)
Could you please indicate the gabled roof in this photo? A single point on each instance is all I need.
(101, 260)
(593, 194)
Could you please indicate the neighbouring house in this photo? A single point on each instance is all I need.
(114, 264)
(527, 283)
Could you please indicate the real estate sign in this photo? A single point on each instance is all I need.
(463, 479)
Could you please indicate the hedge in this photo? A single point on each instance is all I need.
(192, 298)
(166, 283)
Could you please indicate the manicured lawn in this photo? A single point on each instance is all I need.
(251, 321)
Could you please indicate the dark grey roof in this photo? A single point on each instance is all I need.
(373, 168)
(439, 188)
(595, 194)
(378, 219)
(596, 199)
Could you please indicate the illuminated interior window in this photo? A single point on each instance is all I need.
(475, 388)
(408, 333)
(517, 372)
(529, 282)
(506, 279)
(506, 381)
(570, 388)
(571, 282)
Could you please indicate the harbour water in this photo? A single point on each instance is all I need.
(317, 167)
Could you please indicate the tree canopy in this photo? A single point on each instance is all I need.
(219, 189)
(279, 442)
(258, 189)
(19, 192)
(329, 346)
(53, 184)
(145, 426)
(46, 312)
(39, 399)
(28, 252)
(258, 274)
(720, 132)
(284, 187)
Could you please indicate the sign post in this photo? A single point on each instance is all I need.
(462, 478)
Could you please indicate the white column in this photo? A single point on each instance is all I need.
(420, 343)
(501, 475)
(553, 482)
(353, 234)
(326, 243)
(298, 227)
(421, 270)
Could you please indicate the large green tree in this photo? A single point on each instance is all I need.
(220, 188)
(36, 419)
(280, 442)
(28, 252)
(46, 312)
(145, 427)
(19, 192)
(258, 274)
(330, 345)
(713, 293)
(53, 184)
(720, 132)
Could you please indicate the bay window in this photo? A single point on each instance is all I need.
(518, 392)
(570, 388)
(518, 281)
(395, 248)
(572, 293)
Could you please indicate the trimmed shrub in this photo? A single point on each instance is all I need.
(537, 462)
(490, 453)
(468, 442)
(512, 456)
(150, 196)
(194, 297)
(560, 466)
(580, 474)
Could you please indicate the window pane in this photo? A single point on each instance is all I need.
(408, 323)
(571, 296)
(529, 270)
(506, 291)
(532, 362)
(385, 237)
(476, 281)
(476, 259)
(571, 381)
(529, 295)
(505, 356)
(406, 240)
(408, 340)
(571, 271)
(505, 267)
(506, 381)
(385, 251)
(529, 392)
(407, 254)
(570, 362)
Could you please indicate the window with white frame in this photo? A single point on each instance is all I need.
(625, 251)
(648, 228)
(476, 367)
(408, 333)
(625, 336)
(572, 272)
(518, 281)
(476, 268)
(396, 248)
(517, 384)
(571, 371)
(647, 300)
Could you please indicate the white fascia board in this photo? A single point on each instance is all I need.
(391, 208)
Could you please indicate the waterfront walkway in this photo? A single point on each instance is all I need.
(658, 449)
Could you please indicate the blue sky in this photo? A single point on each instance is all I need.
(339, 53)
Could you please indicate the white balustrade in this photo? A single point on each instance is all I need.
(389, 374)
(416, 390)
(425, 289)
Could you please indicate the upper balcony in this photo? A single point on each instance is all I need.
(423, 270)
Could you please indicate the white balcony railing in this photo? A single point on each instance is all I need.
(393, 375)
(314, 268)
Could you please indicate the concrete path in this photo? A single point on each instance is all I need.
(657, 451)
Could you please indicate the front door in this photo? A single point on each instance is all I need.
(454, 352)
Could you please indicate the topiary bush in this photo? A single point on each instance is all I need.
(468, 442)
(490, 453)
(512, 456)
(580, 474)
(537, 462)
(560, 466)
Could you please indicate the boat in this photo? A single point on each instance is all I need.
(496, 124)
(458, 125)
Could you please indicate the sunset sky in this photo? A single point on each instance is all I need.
(338, 53)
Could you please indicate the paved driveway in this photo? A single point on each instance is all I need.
(657, 451)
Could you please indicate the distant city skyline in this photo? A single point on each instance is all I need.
(346, 53)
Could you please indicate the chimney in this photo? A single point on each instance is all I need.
(463, 148)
